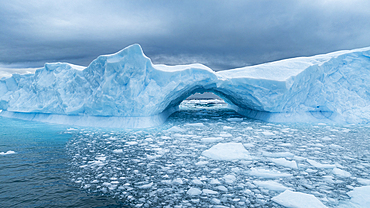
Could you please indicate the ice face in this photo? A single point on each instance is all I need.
(127, 87)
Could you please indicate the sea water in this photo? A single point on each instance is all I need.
(44, 165)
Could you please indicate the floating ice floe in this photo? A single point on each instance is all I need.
(271, 185)
(263, 173)
(278, 154)
(7, 153)
(118, 151)
(212, 139)
(360, 198)
(363, 181)
(284, 162)
(194, 191)
(320, 165)
(341, 173)
(227, 151)
(292, 199)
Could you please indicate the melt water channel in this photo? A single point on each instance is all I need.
(45, 165)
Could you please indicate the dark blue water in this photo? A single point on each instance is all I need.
(37, 174)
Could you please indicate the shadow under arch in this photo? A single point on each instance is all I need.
(231, 100)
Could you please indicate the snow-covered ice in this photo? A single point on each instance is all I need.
(126, 90)
(284, 162)
(194, 191)
(227, 151)
(293, 199)
(360, 198)
(341, 173)
(320, 165)
(271, 185)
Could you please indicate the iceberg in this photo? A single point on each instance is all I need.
(126, 90)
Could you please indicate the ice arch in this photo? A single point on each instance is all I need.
(126, 90)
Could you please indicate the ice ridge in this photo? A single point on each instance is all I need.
(126, 89)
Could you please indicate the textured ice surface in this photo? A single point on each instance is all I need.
(360, 198)
(293, 199)
(271, 185)
(157, 167)
(126, 90)
(227, 151)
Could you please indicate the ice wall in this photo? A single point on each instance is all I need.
(126, 86)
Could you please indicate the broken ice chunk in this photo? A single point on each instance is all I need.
(298, 200)
(227, 151)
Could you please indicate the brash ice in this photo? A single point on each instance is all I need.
(126, 90)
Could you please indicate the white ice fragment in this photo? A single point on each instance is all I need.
(194, 124)
(197, 181)
(69, 129)
(235, 170)
(268, 133)
(341, 173)
(222, 188)
(177, 181)
(271, 185)
(208, 191)
(284, 162)
(175, 129)
(326, 138)
(263, 173)
(215, 201)
(150, 139)
(229, 179)
(248, 145)
(320, 165)
(214, 181)
(292, 199)
(235, 119)
(146, 186)
(360, 198)
(225, 134)
(194, 191)
(118, 151)
(9, 152)
(334, 146)
(131, 143)
(212, 139)
(278, 154)
(227, 151)
(227, 127)
(201, 163)
(87, 186)
(363, 181)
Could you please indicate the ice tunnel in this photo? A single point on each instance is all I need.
(126, 90)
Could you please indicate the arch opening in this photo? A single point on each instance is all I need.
(206, 100)
(226, 101)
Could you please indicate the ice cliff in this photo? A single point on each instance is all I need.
(126, 90)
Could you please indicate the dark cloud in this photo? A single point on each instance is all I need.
(220, 34)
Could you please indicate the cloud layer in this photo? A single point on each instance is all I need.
(220, 34)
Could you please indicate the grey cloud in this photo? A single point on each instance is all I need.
(219, 34)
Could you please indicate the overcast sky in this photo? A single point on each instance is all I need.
(219, 34)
